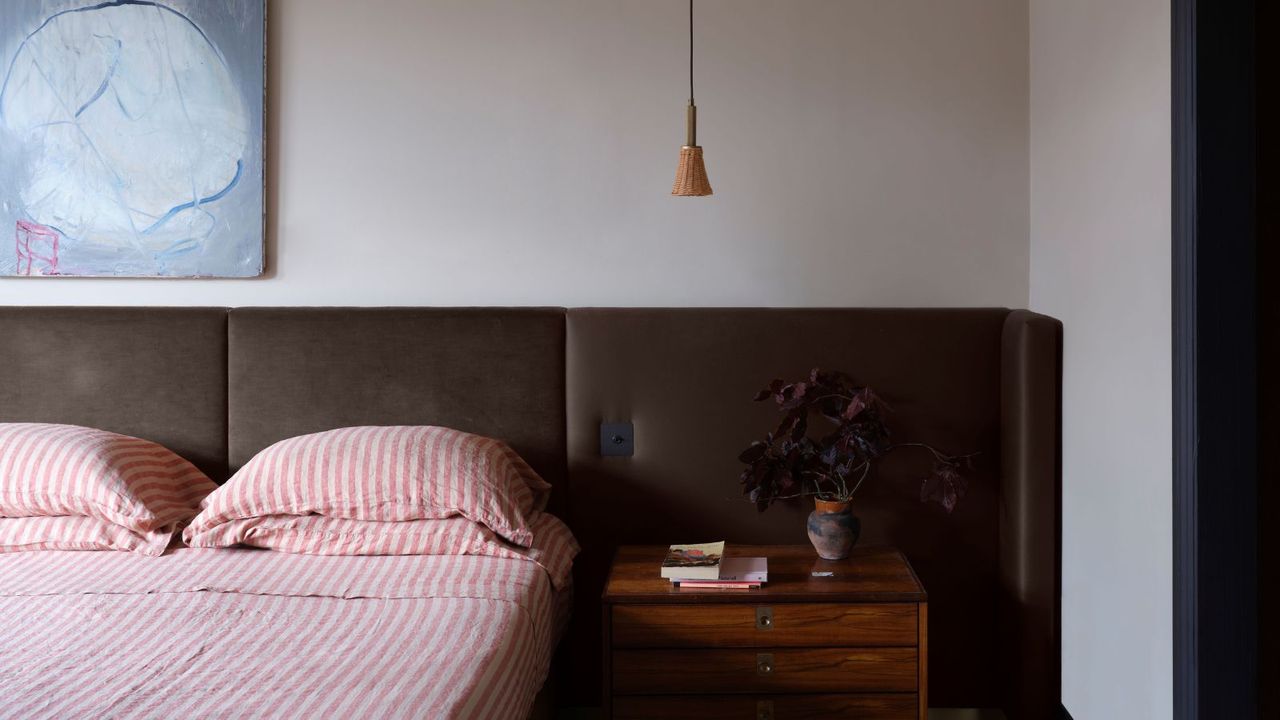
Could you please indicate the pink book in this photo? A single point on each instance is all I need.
(713, 585)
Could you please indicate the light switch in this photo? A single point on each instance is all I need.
(617, 439)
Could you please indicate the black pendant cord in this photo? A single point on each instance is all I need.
(690, 52)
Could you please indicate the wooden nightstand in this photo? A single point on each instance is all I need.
(848, 646)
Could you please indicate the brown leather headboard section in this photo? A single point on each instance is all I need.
(492, 371)
(686, 377)
(154, 373)
(1031, 513)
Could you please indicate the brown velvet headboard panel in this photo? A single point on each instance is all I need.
(1031, 514)
(154, 373)
(219, 385)
(492, 371)
(686, 377)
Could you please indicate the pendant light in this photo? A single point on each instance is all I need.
(691, 173)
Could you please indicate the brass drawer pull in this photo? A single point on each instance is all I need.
(764, 663)
(764, 618)
(764, 710)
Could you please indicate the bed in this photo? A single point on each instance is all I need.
(254, 633)
(218, 385)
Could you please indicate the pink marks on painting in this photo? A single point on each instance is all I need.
(37, 249)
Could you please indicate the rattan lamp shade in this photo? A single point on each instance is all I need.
(691, 174)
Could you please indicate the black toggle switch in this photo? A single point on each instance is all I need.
(617, 439)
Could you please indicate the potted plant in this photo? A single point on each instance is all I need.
(789, 463)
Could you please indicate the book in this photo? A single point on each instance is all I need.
(747, 569)
(693, 562)
(716, 584)
(735, 571)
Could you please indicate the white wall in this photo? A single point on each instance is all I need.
(512, 152)
(1100, 261)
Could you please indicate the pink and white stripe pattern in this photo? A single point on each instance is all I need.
(247, 633)
(66, 470)
(320, 535)
(77, 533)
(382, 474)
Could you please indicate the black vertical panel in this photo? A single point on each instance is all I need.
(1267, 86)
(1186, 688)
(1215, 362)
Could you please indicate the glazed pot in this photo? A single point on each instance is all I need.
(833, 529)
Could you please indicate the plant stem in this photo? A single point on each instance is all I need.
(938, 455)
(820, 398)
(797, 495)
(866, 468)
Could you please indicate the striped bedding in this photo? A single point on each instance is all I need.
(67, 471)
(385, 474)
(201, 633)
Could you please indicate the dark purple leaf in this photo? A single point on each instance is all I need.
(855, 406)
(788, 422)
(801, 427)
(753, 453)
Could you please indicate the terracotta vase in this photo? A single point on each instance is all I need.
(833, 529)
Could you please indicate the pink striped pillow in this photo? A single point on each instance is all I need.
(382, 474)
(553, 549)
(77, 533)
(66, 470)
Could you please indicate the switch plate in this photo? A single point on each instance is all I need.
(617, 439)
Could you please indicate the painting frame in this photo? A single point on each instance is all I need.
(244, 245)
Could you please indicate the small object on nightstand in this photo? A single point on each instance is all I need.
(744, 569)
(852, 643)
(736, 573)
(693, 562)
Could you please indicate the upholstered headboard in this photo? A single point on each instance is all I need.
(156, 373)
(493, 372)
(218, 385)
(972, 380)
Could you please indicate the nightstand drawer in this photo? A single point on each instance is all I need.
(812, 670)
(765, 625)
(901, 706)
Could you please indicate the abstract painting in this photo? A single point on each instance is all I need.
(131, 138)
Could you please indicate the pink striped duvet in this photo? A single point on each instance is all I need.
(228, 633)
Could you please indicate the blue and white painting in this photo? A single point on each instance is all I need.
(131, 138)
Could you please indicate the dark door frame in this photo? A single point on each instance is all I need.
(1215, 424)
